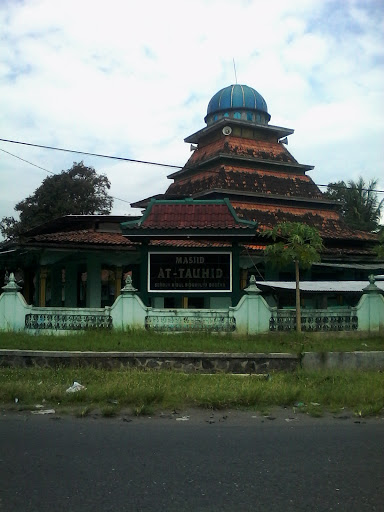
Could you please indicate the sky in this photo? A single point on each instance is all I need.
(133, 79)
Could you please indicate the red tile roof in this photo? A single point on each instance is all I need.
(243, 179)
(201, 244)
(188, 215)
(334, 251)
(83, 236)
(257, 149)
(96, 239)
(254, 247)
(328, 222)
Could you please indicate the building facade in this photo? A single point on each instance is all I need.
(197, 244)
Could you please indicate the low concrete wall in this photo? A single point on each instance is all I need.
(194, 362)
(191, 362)
(252, 315)
(343, 360)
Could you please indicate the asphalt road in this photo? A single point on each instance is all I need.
(221, 462)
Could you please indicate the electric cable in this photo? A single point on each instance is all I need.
(91, 154)
(147, 162)
(54, 173)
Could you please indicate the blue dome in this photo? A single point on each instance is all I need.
(237, 96)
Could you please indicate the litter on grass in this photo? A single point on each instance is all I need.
(44, 411)
(183, 418)
(76, 386)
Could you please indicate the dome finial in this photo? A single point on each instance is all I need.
(234, 68)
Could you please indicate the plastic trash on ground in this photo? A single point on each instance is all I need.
(76, 386)
(183, 418)
(44, 411)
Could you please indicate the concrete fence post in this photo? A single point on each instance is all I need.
(370, 309)
(128, 311)
(13, 307)
(252, 314)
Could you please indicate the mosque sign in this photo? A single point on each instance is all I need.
(180, 272)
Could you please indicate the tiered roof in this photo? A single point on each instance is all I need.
(239, 180)
(189, 219)
(248, 163)
(242, 180)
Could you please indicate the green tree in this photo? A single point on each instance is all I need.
(359, 203)
(295, 243)
(77, 191)
(380, 248)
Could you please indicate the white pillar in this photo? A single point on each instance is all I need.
(13, 307)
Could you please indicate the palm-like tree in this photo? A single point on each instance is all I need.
(295, 243)
(380, 248)
(360, 205)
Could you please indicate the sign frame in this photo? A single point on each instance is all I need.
(186, 291)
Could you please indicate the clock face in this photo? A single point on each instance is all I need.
(227, 130)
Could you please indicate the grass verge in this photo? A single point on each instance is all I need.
(140, 340)
(147, 391)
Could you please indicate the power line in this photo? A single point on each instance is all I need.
(54, 173)
(335, 186)
(27, 161)
(91, 154)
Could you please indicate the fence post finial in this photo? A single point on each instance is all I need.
(11, 286)
(128, 285)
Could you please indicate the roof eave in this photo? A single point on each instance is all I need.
(279, 130)
(229, 156)
(260, 195)
(178, 234)
(66, 246)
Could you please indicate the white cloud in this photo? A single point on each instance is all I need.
(134, 79)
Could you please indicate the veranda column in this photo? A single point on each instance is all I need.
(70, 286)
(93, 281)
(42, 285)
(235, 274)
(56, 286)
(28, 286)
(118, 277)
(144, 273)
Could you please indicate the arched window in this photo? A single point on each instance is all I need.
(226, 114)
(237, 115)
(249, 116)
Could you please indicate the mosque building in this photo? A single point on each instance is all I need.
(197, 244)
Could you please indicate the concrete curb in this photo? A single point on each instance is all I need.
(198, 362)
(191, 362)
(343, 360)
(78, 353)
